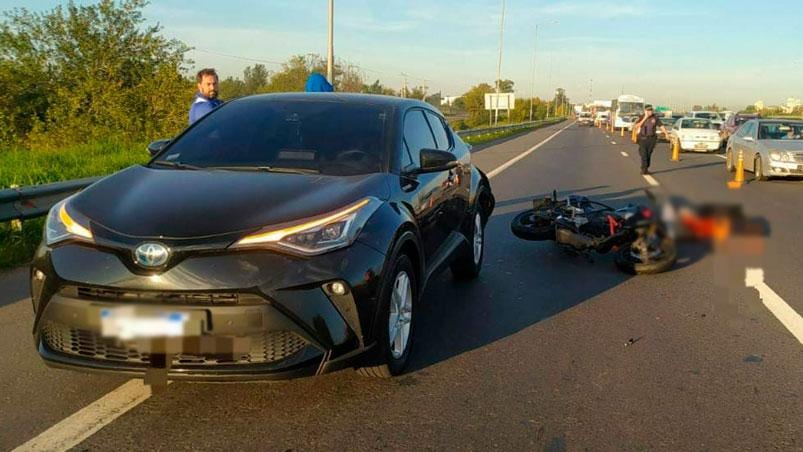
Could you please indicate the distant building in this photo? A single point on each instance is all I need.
(759, 105)
(792, 104)
(449, 100)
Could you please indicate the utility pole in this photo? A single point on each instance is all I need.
(532, 83)
(499, 64)
(591, 91)
(330, 59)
(404, 89)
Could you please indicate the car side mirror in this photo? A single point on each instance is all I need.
(435, 160)
(157, 146)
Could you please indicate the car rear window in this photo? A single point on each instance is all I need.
(329, 137)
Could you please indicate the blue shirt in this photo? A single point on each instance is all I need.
(201, 105)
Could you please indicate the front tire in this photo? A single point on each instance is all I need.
(469, 263)
(396, 329)
(758, 170)
(729, 161)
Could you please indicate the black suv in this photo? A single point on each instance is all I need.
(279, 236)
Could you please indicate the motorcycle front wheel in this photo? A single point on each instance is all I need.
(631, 262)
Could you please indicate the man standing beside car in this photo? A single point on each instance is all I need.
(647, 137)
(205, 99)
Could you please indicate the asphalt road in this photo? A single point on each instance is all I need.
(546, 351)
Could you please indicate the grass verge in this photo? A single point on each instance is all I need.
(493, 136)
(26, 167)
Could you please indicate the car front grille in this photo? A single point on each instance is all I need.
(195, 298)
(799, 157)
(270, 347)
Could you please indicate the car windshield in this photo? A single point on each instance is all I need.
(706, 115)
(696, 124)
(780, 131)
(585, 115)
(739, 120)
(327, 137)
(631, 108)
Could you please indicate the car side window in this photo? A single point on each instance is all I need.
(441, 135)
(417, 135)
(747, 130)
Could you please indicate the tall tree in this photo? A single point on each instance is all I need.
(90, 72)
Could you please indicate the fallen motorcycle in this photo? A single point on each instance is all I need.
(636, 234)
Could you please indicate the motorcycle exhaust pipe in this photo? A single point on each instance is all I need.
(576, 241)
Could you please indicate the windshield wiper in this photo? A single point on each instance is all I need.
(269, 169)
(176, 165)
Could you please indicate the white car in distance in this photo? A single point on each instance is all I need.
(695, 134)
(713, 116)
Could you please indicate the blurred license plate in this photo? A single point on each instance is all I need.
(700, 146)
(129, 323)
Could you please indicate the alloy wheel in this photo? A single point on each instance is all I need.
(400, 318)
(478, 238)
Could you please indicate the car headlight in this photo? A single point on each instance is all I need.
(62, 225)
(775, 155)
(785, 157)
(316, 235)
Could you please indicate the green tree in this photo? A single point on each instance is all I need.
(85, 73)
(474, 102)
(255, 79)
(378, 88)
(232, 88)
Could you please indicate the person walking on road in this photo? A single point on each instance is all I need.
(647, 138)
(205, 99)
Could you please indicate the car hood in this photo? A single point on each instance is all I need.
(784, 145)
(150, 202)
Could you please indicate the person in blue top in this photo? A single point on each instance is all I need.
(317, 83)
(205, 99)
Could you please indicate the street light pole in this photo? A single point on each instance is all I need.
(532, 82)
(330, 65)
(499, 64)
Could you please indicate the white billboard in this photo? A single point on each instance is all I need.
(501, 101)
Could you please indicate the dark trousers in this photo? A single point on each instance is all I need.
(645, 147)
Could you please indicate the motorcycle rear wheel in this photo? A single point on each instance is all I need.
(628, 263)
(533, 225)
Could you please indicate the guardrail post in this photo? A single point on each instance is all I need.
(16, 224)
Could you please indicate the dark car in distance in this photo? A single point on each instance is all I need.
(280, 236)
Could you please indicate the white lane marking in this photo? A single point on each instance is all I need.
(625, 154)
(721, 156)
(793, 322)
(524, 154)
(84, 423)
(651, 180)
(613, 142)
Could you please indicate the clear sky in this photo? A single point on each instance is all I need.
(677, 52)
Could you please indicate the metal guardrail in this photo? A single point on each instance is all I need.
(24, 203)
(34, 201)
(521, 125)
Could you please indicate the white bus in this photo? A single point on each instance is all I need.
(626, 110)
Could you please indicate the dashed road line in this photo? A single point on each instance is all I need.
(793, 322)
(651, 180)
(613, 142)
(524, 154)
(721, 156)
(625, 154)
(84, 423)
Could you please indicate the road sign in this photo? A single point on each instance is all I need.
(501, 101)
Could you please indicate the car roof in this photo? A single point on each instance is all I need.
(767, 120)
(389, 102)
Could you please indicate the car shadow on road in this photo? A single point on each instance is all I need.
(522, 283)
(685, 168)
